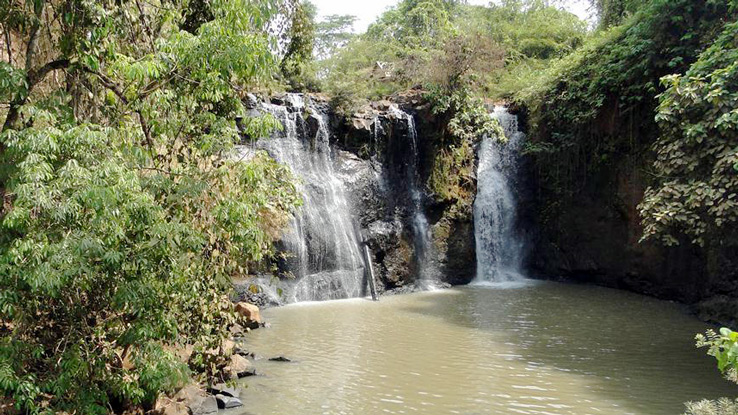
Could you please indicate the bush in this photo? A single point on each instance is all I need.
(125, 211)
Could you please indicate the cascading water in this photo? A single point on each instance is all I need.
(424, 252)
(322, 242)
(499, 250)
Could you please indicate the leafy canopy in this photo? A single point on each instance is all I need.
(127, 208)
(696, 191)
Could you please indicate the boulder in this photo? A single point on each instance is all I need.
(228, 402)
(243, 352)
(237, 330)
(228, 346)
(168, 406)
(197, 400)
(183, 353)
(207, 406)
(239, 367)
(224, 389)
(251, 313)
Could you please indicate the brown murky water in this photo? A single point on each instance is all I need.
(539, 348)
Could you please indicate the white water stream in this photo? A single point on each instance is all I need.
(499, 249)
(322, 243)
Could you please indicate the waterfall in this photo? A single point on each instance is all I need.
(424, 252)
(322, 243)
(499, 250)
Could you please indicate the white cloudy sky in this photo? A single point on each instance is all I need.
(368, 10)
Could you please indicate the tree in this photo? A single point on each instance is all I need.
(613, 12)
(296, 65)
(333, 33)
(126, 210)
(696, 187)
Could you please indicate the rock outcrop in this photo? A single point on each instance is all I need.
(383, 156)
(374, 164)
(585, 226)
(250, 313)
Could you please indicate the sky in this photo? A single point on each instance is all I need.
(368, 10)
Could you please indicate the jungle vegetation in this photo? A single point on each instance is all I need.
(125, 209)
(126, 212)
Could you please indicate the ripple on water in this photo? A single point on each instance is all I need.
(541, 348)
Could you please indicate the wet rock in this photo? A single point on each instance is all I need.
(207, 406)
(257, 291)
(418, 287)
(228, 402)
(243, 352)
(280, 359)
(197, 400)
(237, 330)
(720, 309)
(453, 239)
(251, 313)
(224, 389)
(239, 367)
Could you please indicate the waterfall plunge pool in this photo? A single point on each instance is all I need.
(538, 348)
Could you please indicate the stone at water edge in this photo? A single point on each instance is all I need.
(239, 367)
(225, 390)
(197, 400)
(207, 406)
(227, 402)
(243, 352)
(251, 313)
(168, 406)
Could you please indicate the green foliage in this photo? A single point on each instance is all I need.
(724, 348)
(453, 177)
(297, 63)
(613, 12)
(593, 110)
(126, 210)
(696, 189)
(333, 33)
(408, 39)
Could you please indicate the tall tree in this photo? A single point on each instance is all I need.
(333, 33)
(297, 62)
(125, 211)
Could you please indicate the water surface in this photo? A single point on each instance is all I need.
(542, 348)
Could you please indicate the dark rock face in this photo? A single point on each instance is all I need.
(459, 259)
(376, 166)
(589, 231)
(383, 156)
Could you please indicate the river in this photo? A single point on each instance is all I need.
(515, 348)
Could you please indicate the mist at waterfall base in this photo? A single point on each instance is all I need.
(498, 246)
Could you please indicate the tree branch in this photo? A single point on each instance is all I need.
(33, 78)
(111, 85)
(33, 40)
(8, 45)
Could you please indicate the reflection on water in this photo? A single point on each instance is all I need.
(543, 348)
